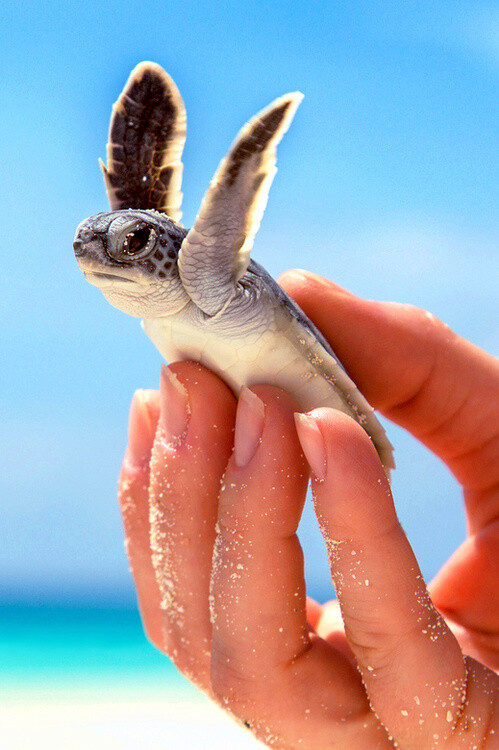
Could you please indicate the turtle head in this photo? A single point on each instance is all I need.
(131, 255)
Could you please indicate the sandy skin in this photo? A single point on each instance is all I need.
(210, 518)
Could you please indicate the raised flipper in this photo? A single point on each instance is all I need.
(216, 251)
(146, 140)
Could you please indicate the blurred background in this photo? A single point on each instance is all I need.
(387, 184)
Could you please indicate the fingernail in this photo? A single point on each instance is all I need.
(141, 428)
(175, 408)
(298, 275)
(295, 273)
(250, 418)
(312, 444)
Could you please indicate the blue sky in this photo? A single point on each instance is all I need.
(387, 183)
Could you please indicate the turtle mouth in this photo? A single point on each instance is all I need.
(106, 279)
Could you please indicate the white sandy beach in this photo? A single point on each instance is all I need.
(91, 723)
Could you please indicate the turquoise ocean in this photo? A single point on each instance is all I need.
(44, 648)
(86, 677)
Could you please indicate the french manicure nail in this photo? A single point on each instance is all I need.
(250, 418)
(312, 444)
(141, 429)
(175, 409)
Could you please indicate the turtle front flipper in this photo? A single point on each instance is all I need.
(216, 251)
(146, 140)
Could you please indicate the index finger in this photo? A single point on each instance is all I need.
(416, 371)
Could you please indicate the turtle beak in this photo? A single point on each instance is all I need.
(84, 238)
(89, 250)
(77, 247)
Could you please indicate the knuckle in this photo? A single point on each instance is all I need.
(426, 323)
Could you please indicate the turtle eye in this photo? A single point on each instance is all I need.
(139, 242)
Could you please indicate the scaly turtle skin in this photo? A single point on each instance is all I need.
(199, 294)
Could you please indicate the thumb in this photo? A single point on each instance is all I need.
(467, 587)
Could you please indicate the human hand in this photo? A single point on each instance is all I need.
(445, 391)
(254, 652)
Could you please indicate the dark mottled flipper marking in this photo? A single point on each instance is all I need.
(146, 140)
(216, 251)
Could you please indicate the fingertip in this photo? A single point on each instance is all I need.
(354, 496)
(275, 415)
(197, 409)
(279, 398)
(266, 450)
(133, 499)
(250, 420)
(195, 372)
(299, 282)
(350, 452)
(312, 443)
(206, 390)
(142, 423)
(294, 277)
(175, 408)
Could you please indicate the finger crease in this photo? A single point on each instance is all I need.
(419, 392)
(478, 449)
(303, 651)
(448, 419)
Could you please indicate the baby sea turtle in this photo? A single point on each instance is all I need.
(199, 294)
